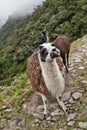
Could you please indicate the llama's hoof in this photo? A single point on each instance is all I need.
(45, 116)
(67, 71)
(65, 110)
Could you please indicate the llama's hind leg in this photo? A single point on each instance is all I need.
(64, 61)
(68, 58)
(45, 103)
(61, 104)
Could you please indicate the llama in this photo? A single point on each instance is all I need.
(45, 75)
(63, 43)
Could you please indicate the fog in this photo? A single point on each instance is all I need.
(9, 7)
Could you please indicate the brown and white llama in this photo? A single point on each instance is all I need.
(45, 75)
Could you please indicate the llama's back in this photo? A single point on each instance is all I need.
(63, 43)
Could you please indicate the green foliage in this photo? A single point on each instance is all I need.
(57, 16)
(12, 97)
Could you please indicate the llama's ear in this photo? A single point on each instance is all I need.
(52, 44)
(40, 47)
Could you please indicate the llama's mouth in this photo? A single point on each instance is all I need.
(43, 59)
(54, 55)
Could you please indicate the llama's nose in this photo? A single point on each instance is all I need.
(58, 52)
(54, 55)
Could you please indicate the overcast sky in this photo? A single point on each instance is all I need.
(8, 7)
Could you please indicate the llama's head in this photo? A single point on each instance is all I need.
(48, 52)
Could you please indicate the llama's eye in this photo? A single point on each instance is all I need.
(44, 51)
(52, 44)
(54, 49)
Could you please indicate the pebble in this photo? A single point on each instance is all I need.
(71, 100)
(37, 115)
(84, 112)
(66, 96)
(8, 110)
(76, 95)
(57, 112)
(71, 116)
(3, 107)
(77, 61)
(84, 81)
(81, 68)
(82, 124)
(70, 123)
(36, 122)
(2, 88)
(24, 106)
(53, 118)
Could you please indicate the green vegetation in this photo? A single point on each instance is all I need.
(57, 16)
(12, 98)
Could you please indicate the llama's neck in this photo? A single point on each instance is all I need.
(52, 76)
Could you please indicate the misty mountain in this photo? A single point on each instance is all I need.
(26, 9)
(2, 22)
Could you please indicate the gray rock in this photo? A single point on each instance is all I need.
(66, 96)
(77, 61)
(71, 100)
(8, 110)
(3, 107)
(24, 106)
(2, 88)
(84, 81)
(82, 124)
(68, 105)
(70, 123)
(57, 112)
(48, 118)
(37, 115)
(76, 95)
(81, 68)
(53, 118)
(36, 122)
(71, 116)
(84, 112)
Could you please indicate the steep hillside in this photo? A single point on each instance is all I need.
(57, 16)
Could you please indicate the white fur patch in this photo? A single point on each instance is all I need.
(52, 76)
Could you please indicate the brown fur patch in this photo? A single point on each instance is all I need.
(63, 43)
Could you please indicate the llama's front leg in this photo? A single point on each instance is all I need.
(45, 103)
(62, 105)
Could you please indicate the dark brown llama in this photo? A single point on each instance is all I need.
(63, 43)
